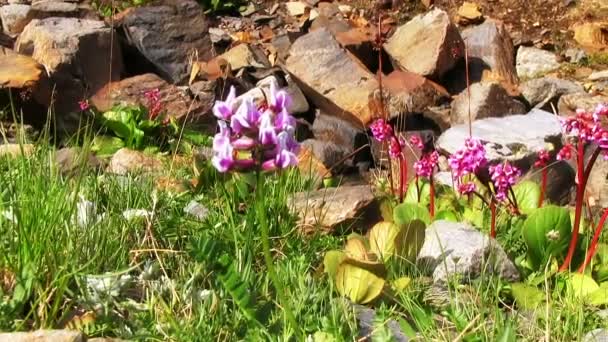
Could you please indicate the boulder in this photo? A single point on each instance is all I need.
(334, 209)
(532, 62)
(592, 36)
(80, 56)
(170, 46)
(469, 13)
(331, 78)
(597, 335)
(491, 53)
(487, 99)
(298, 103)
(428, 45)
(411, 93)
(598, 76)
(14, 17)
(328, 153)
(72, 159)
(126, 161)
(44, 336)
(175, 102)
(16, 150)
(197, 210)
(568, 104)
(311, 167)
(20, 72)
(597, 184)
(245, 55)
(516, 138)
(455, 248)
(547, 90)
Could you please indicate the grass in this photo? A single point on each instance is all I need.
(171, 277)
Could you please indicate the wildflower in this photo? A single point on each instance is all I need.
(381, 130)
(466, 188)
(84, 105)
(416, 141)
(224, 109)
(153, 103)
(426, 165)
(279, 100)
(246, 117)
(565, 153)
(223, 157)
(394, 148)
(468, 160)
(542, 159)
(503, 177)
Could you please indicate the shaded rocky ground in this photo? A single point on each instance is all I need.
(527, 61)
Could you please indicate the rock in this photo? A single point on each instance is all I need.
(454, 248)
(592, 35)
(517, 138)
(597, 185)
(80, 57)
(311, 167)
(568, 104)
(197, 210)
(369, 325)
(439, 115)
(597, 335)
(469, 13)
(428, 45)
(487, 99)
(71, 159)
(16, 150)
(244, 55)
(46, 9)
(16, 133)
(14, 17)
(44, 336)
(411, 93)
(333, 209)
(131, 214)
(560, 181)
(169, 47)
(542, 91)
(296, 8)
(175, 102)
(219, 36)
(575, 55)
(532, 62)
(491, 53)
(598, 76)
(298, 103)
(20, 71)
(327, 152)
(126, 161)
(331, 78)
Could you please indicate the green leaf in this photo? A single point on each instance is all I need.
(411, 195)
(386, 209)
(358, 284)
(148, 126)
(527, 194)
(406, 212)
(447, 215)
(382, 239)
(581, 285)
(508, 334)
(526, 296)
(546, 232)
(105, 145)
(197, 138)
(410, 240)
(401, 284)
(119, 128)
(356, 247)
(599, 297)
(331, 262)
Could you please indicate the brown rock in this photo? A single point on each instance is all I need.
(44, 336)
(428, 45)
(486, 100)
(16, 150)
(244, 55)
(333, 209)
(182, 35)
(491, 53)
(331, 78)
(72, 159)
(310, 166)
(19, 71)
(14, 17)
(597, 185)
(593, 36)
(469, 13)
(411, 93)
(568, 104)
(126, 161)
(130, 91)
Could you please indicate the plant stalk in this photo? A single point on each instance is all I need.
(593, 246)
(432, 197)
(493, 222)
(543, 187)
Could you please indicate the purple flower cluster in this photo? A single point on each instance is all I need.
(503, 177)
(542, 159)
(154, 104)
(565, 153)
(426, 165)
(467, 161)
(252, 138)
(588, 127)
(416, 141)
(381, 130)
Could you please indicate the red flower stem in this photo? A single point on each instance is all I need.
(493, 223)
(418, 188)
(596, 236)
(432, 197)
(543, 186)
(580, 191)
(403, 179)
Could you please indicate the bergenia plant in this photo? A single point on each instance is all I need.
(541, 163)
(584, 129)
(425, 167)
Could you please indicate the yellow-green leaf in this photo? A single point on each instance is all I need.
(331, 262)
(581, 285)
(356, 247)
(382, 239)
(358, 284)
(401, 283)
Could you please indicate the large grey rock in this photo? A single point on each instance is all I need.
(44, 336)
(517, 138)
(542, 91)
(598, 75)
(81, 56)
(298, 103)
(169, 45)
(491, 52)
(532, 62)
(332, 129)
(14, 17)
(597, 184)
(70, 160)
(597, 335)
(568, 104)
(487, 99)
(245, 55)
(428, 45)
(453, 248)
(331, 78)
(331, 209)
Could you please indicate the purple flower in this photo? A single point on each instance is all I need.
(246, 117)
(394, 148)
(469, 159)
(503, 177)
(542, 159)
(284, 120)
(224, 109)
(600, 110)
(223, 151)
(268, 134)
(286, 148)
(426, 165)
(381, 130)
(416, 141)
(279, 99)
(565, 153)
(466, 188)
(84, 105)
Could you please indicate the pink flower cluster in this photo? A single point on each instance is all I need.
(427, 164)
(503, 177)
(84, 105)
(381, 130)
(153, 104)
(588, 128)
(542, 159)
(565, 153)
(466, 161)
(252, 138)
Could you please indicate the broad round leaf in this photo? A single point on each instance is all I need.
(527, 194)
(527, 296)
(410, 240)
(411, 195)
(546, 233)
(356, 247)
(600, 296)
(406, 212)
(401, 284)
(446, 215)
(382, 239)
(358, 284)
(581, 285)
(331, 262)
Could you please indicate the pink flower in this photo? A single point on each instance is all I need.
(395, 147)
(565, 153)
(503, 176)
(153, 103)
(84, 105)
(542, 159)
(466, 188)
(224, 109)
(416, 141)
(381, 130)
(469, 159)
(426, 165)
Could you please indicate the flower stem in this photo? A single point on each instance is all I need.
(580, 191)
(543, 186)
(263, 220)
(403, 178)
(596, 237)
(432, 197)
(493, 223)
